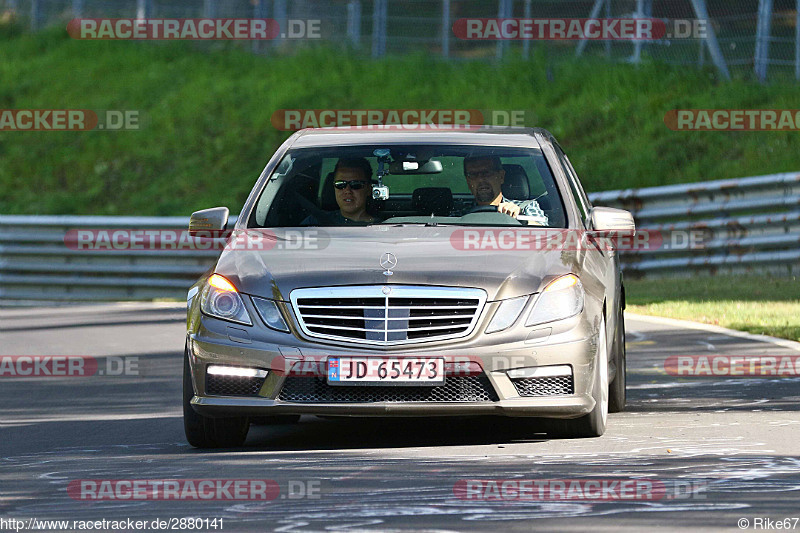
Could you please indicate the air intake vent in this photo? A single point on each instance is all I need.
(455, 389)
(233, 385)
(545, 386)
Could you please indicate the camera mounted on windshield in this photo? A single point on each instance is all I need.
(381, 191)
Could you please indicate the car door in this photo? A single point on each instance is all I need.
(602, 260)
(599, 260)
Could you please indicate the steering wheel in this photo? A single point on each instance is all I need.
(491, 209)
(484, 209)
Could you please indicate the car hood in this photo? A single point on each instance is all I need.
(273, 262)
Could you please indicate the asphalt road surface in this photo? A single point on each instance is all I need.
(714, 450)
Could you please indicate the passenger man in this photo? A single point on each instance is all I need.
(485, 177)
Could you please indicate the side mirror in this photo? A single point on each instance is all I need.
(608, 219)
(208, 220)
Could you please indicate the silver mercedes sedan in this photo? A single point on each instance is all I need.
(395, 271)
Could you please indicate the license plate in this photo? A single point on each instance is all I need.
(386, 371)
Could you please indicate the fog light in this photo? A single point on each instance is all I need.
(236, 371)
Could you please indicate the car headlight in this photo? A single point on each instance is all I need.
(506, 314)
(220, 299)
(562, 298)
(270, 314)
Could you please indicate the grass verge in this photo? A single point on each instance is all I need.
(756, 304)
(206, 132)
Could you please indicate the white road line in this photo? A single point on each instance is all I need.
(90, 417)
(792, 345)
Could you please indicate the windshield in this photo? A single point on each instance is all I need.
(419, 184)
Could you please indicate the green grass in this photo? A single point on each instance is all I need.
(757, 304)
(206, 131)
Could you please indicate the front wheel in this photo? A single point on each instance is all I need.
(594, 423)
(206, 432)
(617, 391)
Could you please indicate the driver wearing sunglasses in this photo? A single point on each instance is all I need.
(352, 185)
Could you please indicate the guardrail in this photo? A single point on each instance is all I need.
(731, 226)
(740, 225)
(37, 264)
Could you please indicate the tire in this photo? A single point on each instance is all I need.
(592, 424)
(617, 391)
(206, 432)
(274, 420)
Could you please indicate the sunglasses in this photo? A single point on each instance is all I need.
(481, 174)
(356, 185)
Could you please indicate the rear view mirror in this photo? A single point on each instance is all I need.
(608, 219)
(214, 219)
(414, 167)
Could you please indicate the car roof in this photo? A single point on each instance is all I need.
(472, 135)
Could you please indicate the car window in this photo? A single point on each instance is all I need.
(578, 184)
(574, 185)
(400, 184)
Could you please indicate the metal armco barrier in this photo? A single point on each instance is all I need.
(37, 264)
(726, 226)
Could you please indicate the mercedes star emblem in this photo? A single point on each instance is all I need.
(388, 261)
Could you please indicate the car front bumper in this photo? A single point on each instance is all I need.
(550, 407)
(572, 344)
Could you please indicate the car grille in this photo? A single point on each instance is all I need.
(455, 389)
(388, 314)
(544, 386)
(217, 385)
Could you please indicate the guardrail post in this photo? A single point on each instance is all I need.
(144, 9)
(714, 50)
(797, 42)
(279, 13)
(644, 9)
(592, 15)
(354, 22)
(607, 14)
(762, 39)
(210, 9)
(260, 11)
(701, 55)
(526, 44)
(36, 14)
(378, 28)
(504, 10)
(445, 28)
